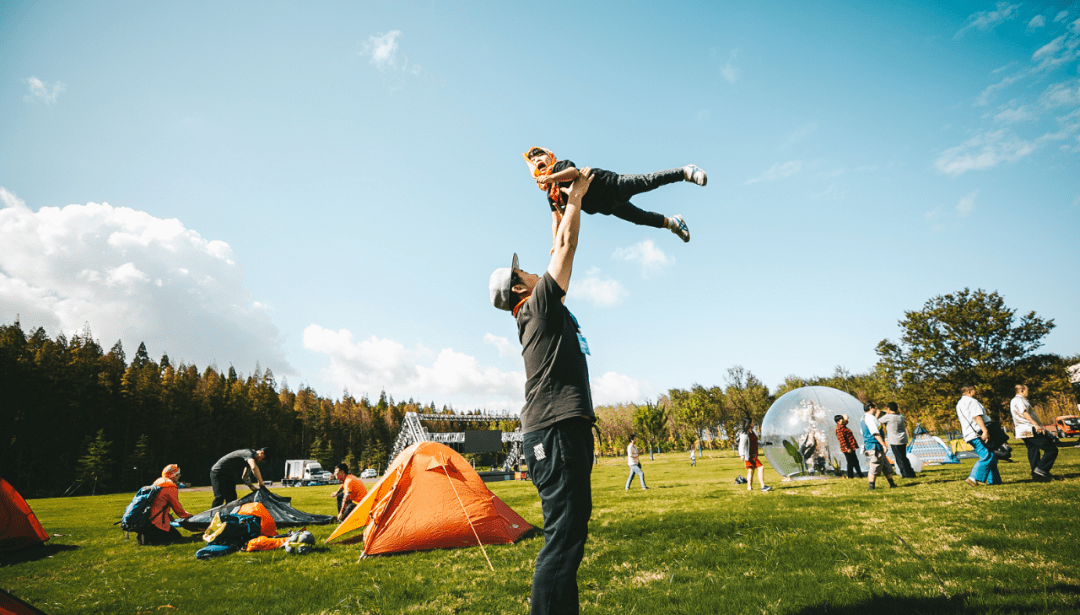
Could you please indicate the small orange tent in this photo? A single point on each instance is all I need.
(18, 526)
(430, 498)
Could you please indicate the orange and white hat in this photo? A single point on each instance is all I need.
(171, 471)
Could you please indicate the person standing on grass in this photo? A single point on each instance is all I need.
(896, 437)
(632, 454)
(558, 416)
(237, 464)
(1042, 450)
(875, 446)
(351, 492)
(848, 445)
(748, 452)
(160, 529)
(973, 419)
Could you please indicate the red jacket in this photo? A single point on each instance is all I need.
(167, 498)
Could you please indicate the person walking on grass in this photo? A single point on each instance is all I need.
(558, 416)
(632, 460)
(748, 452)
(973, 420)
(896, 437)
(849, 446)
(875, 446)
(1042, 450)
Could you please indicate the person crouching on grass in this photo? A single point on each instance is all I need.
(160, 530)
(748, 452)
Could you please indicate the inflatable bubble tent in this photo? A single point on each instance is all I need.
(798, 433)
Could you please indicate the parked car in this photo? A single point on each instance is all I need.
(369, 473)
(1067, 426)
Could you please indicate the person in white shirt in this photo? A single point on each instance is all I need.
(1042, 450)
(874, 445)
(973, 419)
(635, 465)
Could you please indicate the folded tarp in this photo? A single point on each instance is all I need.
(279, 508)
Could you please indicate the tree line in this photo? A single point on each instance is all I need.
(967, 337)
(78, 419)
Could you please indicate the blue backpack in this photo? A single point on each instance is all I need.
(137, 514)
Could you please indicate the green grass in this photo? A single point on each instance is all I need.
(694, 543)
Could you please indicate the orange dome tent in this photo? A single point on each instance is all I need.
(18, 526)
(430, 498)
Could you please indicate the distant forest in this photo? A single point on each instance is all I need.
(77, 419)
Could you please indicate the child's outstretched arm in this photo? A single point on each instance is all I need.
(568, 174)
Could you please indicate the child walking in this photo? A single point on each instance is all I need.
(748, 452)
(610, 193)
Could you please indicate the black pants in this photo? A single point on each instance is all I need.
(348, 507)
(154, 536)
(903, 464)
(560, 460)
(224, 487)
(632, 185)
(853, 464)
(1042, 452)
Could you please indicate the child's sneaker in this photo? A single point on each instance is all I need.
(766, 488)
(678, 226)
(693, 174)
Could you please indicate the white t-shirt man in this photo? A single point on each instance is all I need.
(1024, 427)
(631, 455)
(966, 410)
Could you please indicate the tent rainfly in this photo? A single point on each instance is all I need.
(430, 498)
(279, 507)
(19, 526)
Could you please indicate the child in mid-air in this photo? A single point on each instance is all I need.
(609, 193)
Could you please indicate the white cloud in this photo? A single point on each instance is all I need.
(503, 345)
(1060, 17)
(383, 51)
(601, 292)
(778, 171)
(38, 89)
(646, 254)
(374, 365)
(1037, 21)
(966, 204)
(612, 388)
(1012, 115)
(988, 20)
(983, 151)
(729, 71)
(1061, 50)
(984, 97)
(131, 277)
(1066, 93)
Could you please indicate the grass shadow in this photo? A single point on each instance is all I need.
(31, 554)
(994, 600)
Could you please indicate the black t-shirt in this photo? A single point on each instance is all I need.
(233, 463)
(557, 377)
(603, 192)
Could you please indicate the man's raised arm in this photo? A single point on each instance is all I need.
(566, 238)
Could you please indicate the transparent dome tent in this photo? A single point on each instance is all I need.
(798, 433)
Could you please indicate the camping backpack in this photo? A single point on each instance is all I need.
(137, 514)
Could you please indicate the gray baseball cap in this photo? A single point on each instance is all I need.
(499, 285)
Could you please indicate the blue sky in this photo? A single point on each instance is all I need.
(324, 188)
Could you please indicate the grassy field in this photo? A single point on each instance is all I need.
(695, 542)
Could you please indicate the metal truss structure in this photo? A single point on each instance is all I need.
(412, 431)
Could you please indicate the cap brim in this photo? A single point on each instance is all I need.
(514, 263)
